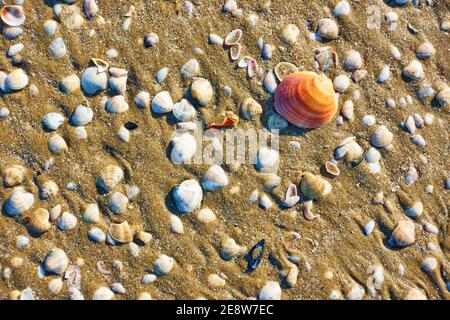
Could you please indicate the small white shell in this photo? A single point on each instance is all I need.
(162, 102)
(12, 33)
(97, 235)
(342, 9)
(414, 71)
(202, 91)
(382, 137)
(16, 80)
(70, 84)
(347, 110)
(190, 69)
(188, 196)
(215, 39)
(92, 81)
(67, 221)
(395, 53)
(56, 261)
(116, 104)
(270, 291)
(176, 226)
(229, 249)
(384, 75)
(118, 203)
(91, 213)
(233, 37)
(230, 6)
(81, 116)
(328, 29)
(429, 264)
(368, 227)
(161, 75)
(265, 202)
(142, 99)
(15, 49)
(52, 121)
(352, 61)
(425, 51)
(58, 48)
(403, 235)
(90, 8)
(270, 82)
(418, 140)
(151, 39)
(18, 202)
(184, 147)
(428, 227)
(341, 83)
(184, 111)
(373, 155)
(50, 27)
(48, 190)
(206, 215)
(215, 178)
(57, 144)
(103, 293)
(117, 85)
(290, 34)
(163, 265)
(267, 160)
(12, 15)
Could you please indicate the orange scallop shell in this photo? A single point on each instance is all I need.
(306, 99)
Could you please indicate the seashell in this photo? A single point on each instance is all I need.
(352, 61)
(118, 203)
(283, 69)
(112, 53)
(250, 108)
(12, 15)
(163, 265)
(118, 72)
(270, 82)
(103, 293)
(92, 81)
(81, 116)
(38, 221)
(306, 99)
(55, 212)
(413, 207)
(243, 63)
(356, 292)
(266, 53)
(327, 29)
(267, 160)
(26, 294)
(233, 37)
(18, 202)
(347, 110)
(403, 235)
(307, 213)
(184, 146)
(14, 49)
(429, 264)
(382, 137)
(16, 80)
(12, 33)
(290, 34)
(56, 261)
(252, 68)
(425, 51)
(120, 232)
(101, 65)
(50, 27)
(74, 21)
(13, 175)
(341, 83)
(202, 91)
(142, 99)
(410, 124)
(118, 288)
(124, 134)
(415, 294)
(443, 97)
(373, 155)
(428, 227)
(188, 196)
(235, 51)
(270, 291)
(176, 226)
(418, 140)
(230, 6)
(342, 8)
(215, 178)
(215, 39)
(229, 250)
(332, 169)
(67, 221)
(161, 75)
(215, 281)
(109, 177)
(325, 58)
(425, 90)
(384, 75)
(70, 84)
(90, 8)
(55, 286)
(412, 176)
(190, 69)
(206, 215)
(359, 75)
(3, 77)
(57, 144)
(414, 71)
(144, 296)
(116, 104)
(144, 237)
(48, 189)
(97, 235)
(395, 53)
(151, 39)
(292, 197)
(313, 186)
(162, 102)
(184, 111)
(4, 113)
(91, 213)
(52, 121)
(58, 48)
(368, 227)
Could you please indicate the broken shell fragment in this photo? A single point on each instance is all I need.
(313, 186)
(233, 37)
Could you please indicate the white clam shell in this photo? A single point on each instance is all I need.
(184, 111)
(56, 261)
(176, 226)
(117, 85)
(48, 190)
(91, 213)
(414, 70)
(190, 69)
(142, 99)
(215, 178)
(57, 144)
(352, 61)
(67, 221)
(52, 121)
(161, 75)
(425, 51)
(70, 84)
(270, 291)
(206, 215)
(97, 235)
(58, 48)
(215, 39)
(109, 177)
(116, 104)
(267, 160)
(92, 81)
(50, 27)
(384, 75)
(18, 202)
(328, 29)
(342, 8)
(103, 293)
(15, 49)
(368, 227)
(265, 202)
(229, 249)
(12, 33)
(373, 155)
(230, 6)
(202, 91)
(270, 82)
(118, 203)
(356, 292)
(188, 196)
(290, 34)
(418, 140)
(415, 211)
(382, 137)
(395, 53)
(429, 264)
(90, 8)
(184, 147)
(162, 102)
(403, 235)
(341, 83)
(16, 80)
(163, 265)
(81, 116)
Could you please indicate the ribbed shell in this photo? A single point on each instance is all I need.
(314, 187)
(306, 99)
(110, 176)
(120, 232)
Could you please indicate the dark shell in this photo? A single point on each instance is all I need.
(255, 255)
